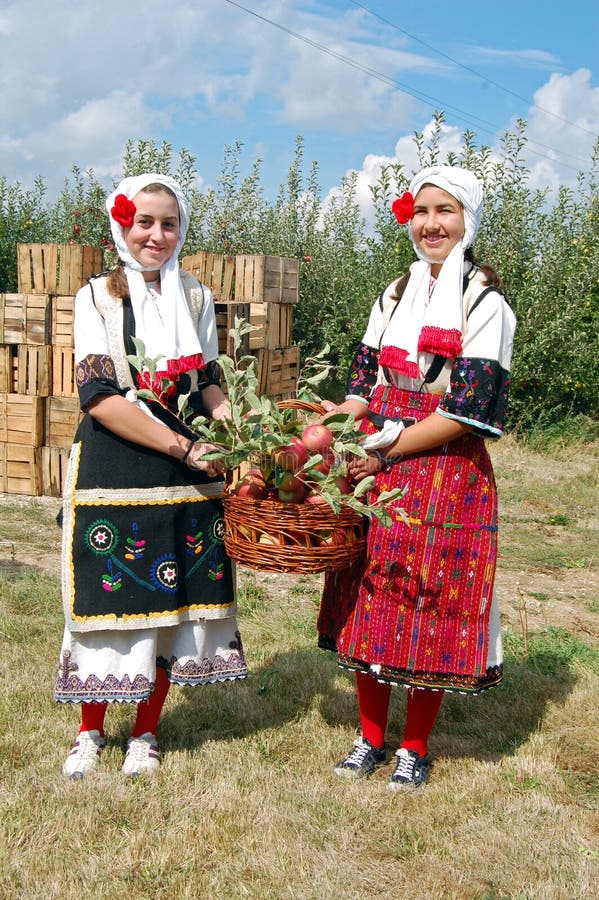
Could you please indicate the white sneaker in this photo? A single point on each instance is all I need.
(142, 756)
(84, 755)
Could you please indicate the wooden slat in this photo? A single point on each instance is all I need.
(56, 268)
(7, 369)
(225, 321)
(62, 417)
(23, 472)
(24, 420)
(273, 279)
(63, 309)
(214, 270)
(63, 372)
(34, 370)
(54, 464)
(278, 371)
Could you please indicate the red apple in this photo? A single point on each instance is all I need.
(292, 456)
(314, 498)
(335, 538)
(292, 489)
(317, 438)
(252, 485)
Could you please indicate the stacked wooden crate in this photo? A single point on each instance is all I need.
(39, 408)
(264, 291)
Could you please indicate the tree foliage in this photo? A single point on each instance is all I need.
(545, 248)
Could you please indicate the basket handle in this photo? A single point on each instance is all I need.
(302, 405)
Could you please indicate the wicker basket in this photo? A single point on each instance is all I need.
(299, 538)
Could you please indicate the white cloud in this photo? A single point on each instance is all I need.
(565, 117)
(406, 154)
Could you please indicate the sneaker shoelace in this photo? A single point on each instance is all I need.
(139, 751)
(358, 754)
(405, 766)
(86, 749)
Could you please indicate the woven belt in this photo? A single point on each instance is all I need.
(379, 421)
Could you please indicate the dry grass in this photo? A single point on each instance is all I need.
(246, 804)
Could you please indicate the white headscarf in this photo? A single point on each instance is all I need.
(435, 326)
(168, 332)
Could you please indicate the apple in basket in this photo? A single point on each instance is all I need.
(291, 489)
(317, 438)
(252, 485)
(292, 456)
(270, 539)
(335, 538)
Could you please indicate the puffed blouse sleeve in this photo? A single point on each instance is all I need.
(95, 372)
(480, 377)
(363, 370)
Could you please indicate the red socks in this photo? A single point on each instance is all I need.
(373, 701)
(148, 711)
(92, 717)
(423, 706)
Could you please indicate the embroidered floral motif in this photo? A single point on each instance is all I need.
(478, 392)
(165, 574)
(102, 537)
(363, 371)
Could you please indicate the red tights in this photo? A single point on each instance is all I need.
(373, 700)
(148, 711)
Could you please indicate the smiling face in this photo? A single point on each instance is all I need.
(438, 224)
(153, 237)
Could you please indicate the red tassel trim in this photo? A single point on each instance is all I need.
(444, 341)
(395, 358)
(175, 367)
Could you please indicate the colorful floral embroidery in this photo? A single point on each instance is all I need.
(478, 392)
(363, 371)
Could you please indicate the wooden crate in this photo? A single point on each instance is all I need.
(63, 309)
(214, 270)
(266, 279)
(25, 319)
(54, 464)
(278, 371)
(34, 370)
(22, 420)
(63, 373)
(8, 369)
(62, 417)
(20, 470)
(56, 268)
(275, 321)
(225, 320)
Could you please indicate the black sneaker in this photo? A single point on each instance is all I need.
(411, 771)
(362, 761)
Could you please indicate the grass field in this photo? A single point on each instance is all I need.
(246, 804)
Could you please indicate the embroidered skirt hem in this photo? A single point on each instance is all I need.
(439, 681)
(120, 667)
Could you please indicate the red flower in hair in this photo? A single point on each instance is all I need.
(403, 208)
(123, 211)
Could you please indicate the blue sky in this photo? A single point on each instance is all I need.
(356, 80)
